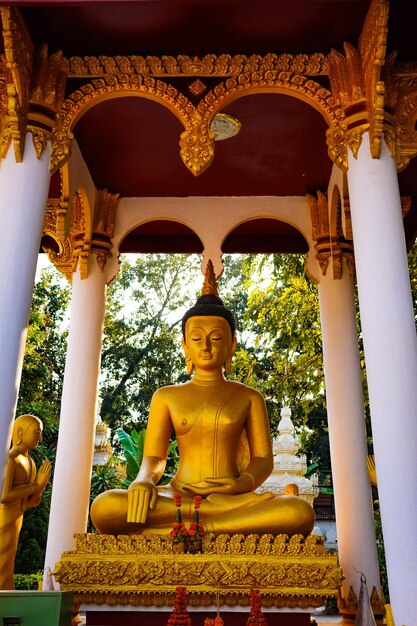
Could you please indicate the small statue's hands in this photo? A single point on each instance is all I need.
(141, 496)
(42, 476)
(370, 464)
(223, 484)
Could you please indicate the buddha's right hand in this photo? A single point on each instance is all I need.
(141, 496)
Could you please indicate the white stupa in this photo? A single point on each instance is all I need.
(102, 447)
(288, 467)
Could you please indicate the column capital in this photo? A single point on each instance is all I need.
(331, 243)
(32, 87)
(357, 85)
(87, 233)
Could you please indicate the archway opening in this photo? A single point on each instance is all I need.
(163, 236)
(265, 236)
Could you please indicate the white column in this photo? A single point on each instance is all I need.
(347, 433)
(389, 336)
(23, 196)
(72, 475)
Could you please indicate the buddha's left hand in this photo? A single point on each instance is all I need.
(223, 484)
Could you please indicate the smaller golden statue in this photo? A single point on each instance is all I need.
(22, 489)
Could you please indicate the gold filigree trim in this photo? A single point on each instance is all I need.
(197, 140)
(84, 236)
(329, 245)
(197, 87)
(223, 65)
(34, 87)
(18, 53)
(46, 97)
(355, 80)
(401, 83)
(105, 209)
(139, 570)
(372, 48)
(72, 251)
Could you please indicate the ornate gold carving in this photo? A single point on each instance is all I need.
(402, 91)
(329, 245)
(197, 145)
(18, 52)
(103, 226)
(197, 87)
(46, 97)
(83, 238)
(258, 75)
(372, 48)
(349, 606)
(74, 249)
(140, 570)
(35, 90)
(223, 65)
(107, 88)
(355, 80)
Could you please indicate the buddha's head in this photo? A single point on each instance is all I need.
(209, 329)
(27, 431)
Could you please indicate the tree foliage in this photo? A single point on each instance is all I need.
(142, 338)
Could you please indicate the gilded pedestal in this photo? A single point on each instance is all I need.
(143, 571)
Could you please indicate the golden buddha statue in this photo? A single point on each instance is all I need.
(224, 445)
(22, 489)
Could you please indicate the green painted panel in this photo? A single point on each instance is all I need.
(37, 608)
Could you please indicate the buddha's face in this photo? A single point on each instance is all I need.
(29, 433)
(208, 342)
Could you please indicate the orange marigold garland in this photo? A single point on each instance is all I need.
(256, 617)
(196, 530)
(217, 621)
(179, 531)
(179, 616)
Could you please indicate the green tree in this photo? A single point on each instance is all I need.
(142, 334)
(280, 352)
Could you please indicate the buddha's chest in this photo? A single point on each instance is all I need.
(206, 414)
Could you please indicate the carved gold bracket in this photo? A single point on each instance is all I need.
(47, 96)
(103, 226)
(401, 83)
(355, 80)
(33, 88)
(17, 66)
(71, 252)
(330, 245)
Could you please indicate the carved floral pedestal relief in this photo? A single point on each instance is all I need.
(143, 571)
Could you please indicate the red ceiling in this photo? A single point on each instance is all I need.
(131, 144)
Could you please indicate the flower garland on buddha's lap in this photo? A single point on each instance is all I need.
(190, 540)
